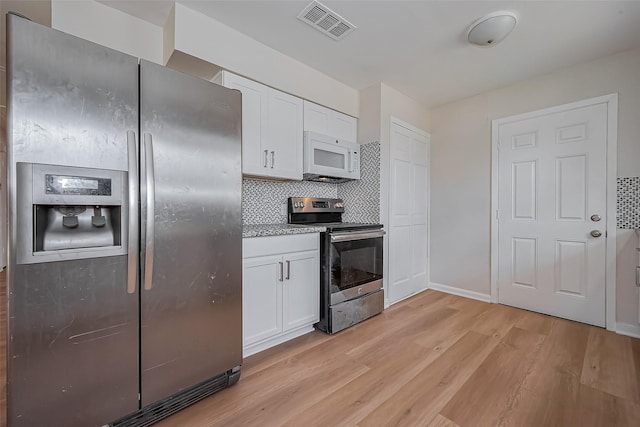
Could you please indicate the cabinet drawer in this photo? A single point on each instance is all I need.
(272, 245)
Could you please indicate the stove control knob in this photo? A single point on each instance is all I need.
(302, 204)
(296, 204)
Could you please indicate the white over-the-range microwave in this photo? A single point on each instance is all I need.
(329, 159)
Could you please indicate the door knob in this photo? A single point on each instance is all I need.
(596, 233)
(595, 218)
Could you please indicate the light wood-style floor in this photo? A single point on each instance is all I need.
(432, 360)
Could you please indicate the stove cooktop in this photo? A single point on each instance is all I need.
(322, 212)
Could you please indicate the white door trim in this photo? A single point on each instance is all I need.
(427, 135)
(612, 173)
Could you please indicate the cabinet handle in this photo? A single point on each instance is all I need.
(266, 157)
(288, 270)
(273, 159)
(638, 276)
(281, 271)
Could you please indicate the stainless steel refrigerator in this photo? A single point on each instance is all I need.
(125, 234)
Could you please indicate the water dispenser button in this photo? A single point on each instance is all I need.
(70, 221)
(98, 220)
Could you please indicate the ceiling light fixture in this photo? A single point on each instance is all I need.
(492, 28)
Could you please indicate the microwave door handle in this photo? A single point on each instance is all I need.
(350, 161)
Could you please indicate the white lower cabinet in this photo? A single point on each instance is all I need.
(280, 289)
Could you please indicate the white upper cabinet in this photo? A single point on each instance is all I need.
(330, 122)
(271, 129)
(284, 135)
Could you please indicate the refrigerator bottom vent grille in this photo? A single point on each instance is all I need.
(162, 409)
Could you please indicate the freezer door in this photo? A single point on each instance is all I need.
(191, 178)
(73, 325)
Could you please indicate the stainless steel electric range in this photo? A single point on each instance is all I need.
(350, 263)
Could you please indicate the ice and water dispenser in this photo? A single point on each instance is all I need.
(69, 213)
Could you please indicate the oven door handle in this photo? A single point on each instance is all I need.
(345, 237)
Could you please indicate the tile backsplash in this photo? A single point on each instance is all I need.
(362, 197)
(264, 202)
(628, 204)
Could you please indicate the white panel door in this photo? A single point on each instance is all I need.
(408, 240)
(261, 298)
(301, 289)
(284, 136)
(552, 196)
(254, 121)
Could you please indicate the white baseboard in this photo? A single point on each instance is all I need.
(628, 330)
(252, 349)
(460, 292)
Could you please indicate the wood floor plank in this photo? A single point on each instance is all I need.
(498, 320)
(356, 399)
(536, 322)
(609, 365)
(415, 318)
(549, 392)
(441, 338)
(422, 398)
(387, 346)
(580, 406)
(441, 421)
(264, 359)
(489, 392)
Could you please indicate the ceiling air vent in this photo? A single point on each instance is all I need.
(326, 20)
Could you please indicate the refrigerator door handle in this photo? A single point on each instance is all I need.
(132, 256)
(150, 213)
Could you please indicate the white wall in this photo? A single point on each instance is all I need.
(202, 37)
(461, 165)
(109, 27)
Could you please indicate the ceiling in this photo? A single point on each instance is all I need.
(419, 47)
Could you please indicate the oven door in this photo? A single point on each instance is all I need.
(355, 264)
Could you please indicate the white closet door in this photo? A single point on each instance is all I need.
(408, 212)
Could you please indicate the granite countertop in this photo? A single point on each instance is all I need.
(259, 230)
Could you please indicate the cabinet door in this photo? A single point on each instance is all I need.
(261, 299)
(284, 136)
(254, 122)
(317, 118)
(301, 289)
(329, 122)
(344, 127)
